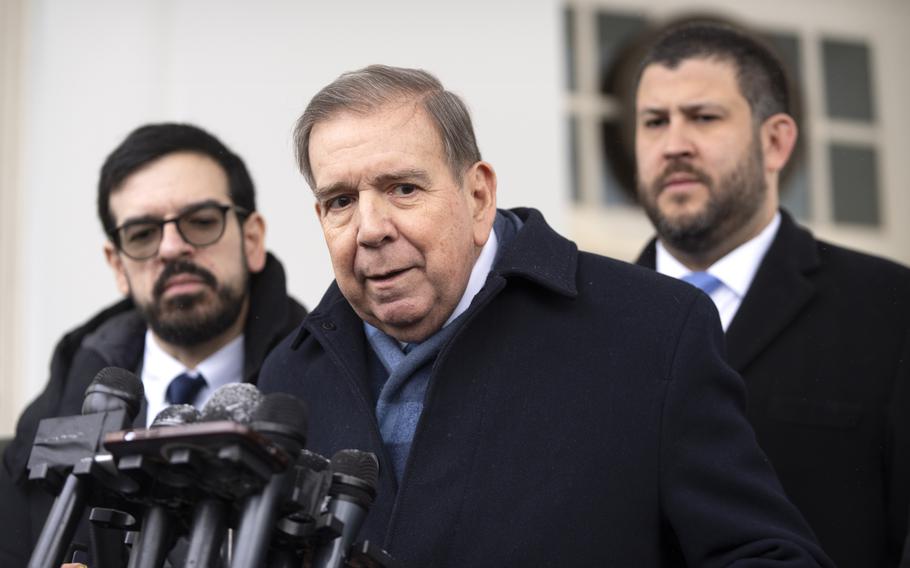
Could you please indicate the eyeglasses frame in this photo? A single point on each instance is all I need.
(242, 213)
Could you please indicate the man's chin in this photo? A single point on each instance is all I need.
(410, 328)
(181, 303)
(185, 311)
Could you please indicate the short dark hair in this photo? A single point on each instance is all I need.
(760, 74)
(152, 141)
(367, 89)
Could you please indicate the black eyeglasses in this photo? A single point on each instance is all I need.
(199, 226)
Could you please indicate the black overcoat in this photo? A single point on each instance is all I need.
(582, 415)
(822, 339)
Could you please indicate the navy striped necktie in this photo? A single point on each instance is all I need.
(184, 389)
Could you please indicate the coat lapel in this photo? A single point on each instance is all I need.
(338, 329)
(648, 257)
(781, 289)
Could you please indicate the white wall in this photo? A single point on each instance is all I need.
(92, 70)
(95, 69)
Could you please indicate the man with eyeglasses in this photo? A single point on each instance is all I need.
(205, 302)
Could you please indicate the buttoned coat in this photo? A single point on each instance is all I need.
(822, 339)
(582, 415)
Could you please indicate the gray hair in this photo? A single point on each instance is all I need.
(367, 89)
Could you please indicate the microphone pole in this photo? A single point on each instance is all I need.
(156, 534)
(117, 394)
(283, 419)
(209, 526)
(236, 402)
(154, 537)
(354, 478)
(60, 524)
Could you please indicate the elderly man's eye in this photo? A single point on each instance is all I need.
(404, 189)
(339, 202)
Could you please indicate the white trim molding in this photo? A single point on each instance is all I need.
(12, 42)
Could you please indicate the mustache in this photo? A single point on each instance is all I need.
(682, 167)
(182, 267)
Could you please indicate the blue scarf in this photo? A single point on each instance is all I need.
(400, 401)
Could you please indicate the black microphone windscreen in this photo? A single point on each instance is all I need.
(176, 415)
(114, 388)
(356, 463)
(235, 402)
(283, 415)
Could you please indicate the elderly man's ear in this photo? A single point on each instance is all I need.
(480, 185)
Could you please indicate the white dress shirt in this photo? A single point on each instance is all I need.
(159, 369)
(735, 271)
(478, 277)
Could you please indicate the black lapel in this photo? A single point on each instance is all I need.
(340, 332)
(780, 290)
(648, 257)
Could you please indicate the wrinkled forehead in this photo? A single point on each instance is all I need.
(379, 120)
(391, 135)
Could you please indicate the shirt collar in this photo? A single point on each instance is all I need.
(224, 366)
(159, 368)
(478, 277)
(736, 269)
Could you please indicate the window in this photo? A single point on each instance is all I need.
(833, 180)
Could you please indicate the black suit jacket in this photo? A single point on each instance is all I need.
(822, 339)
(580, 415)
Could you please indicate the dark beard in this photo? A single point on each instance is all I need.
(181, 320)
(731, 204)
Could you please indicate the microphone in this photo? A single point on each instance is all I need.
(217, 455)
(281, 418)
(235, 402)
(111, 402)
(157, 533)
(112, 389)
(176, 415)
(354, 478)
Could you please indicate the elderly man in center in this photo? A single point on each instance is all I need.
(532, 405)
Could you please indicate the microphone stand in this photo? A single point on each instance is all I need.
(154, 539)
(208, 532)
(61, 524)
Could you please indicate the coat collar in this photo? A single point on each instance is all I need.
(781, 288)
(339, 329)
(540, 255)
(272, 315)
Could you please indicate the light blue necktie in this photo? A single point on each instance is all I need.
(704, 281)
(184, 389)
